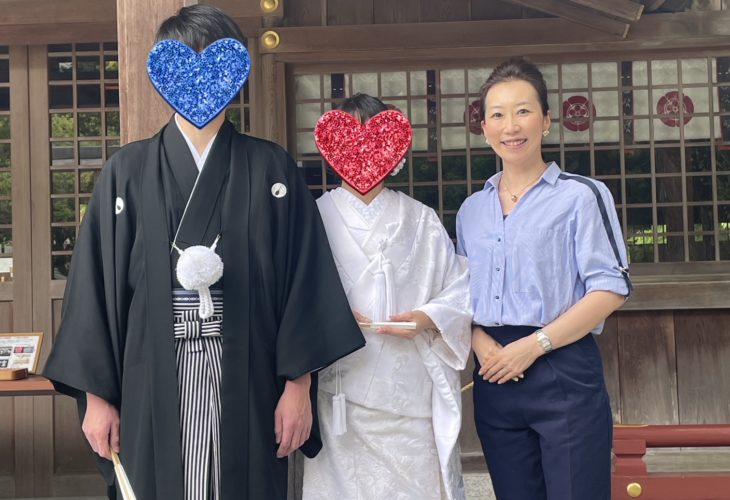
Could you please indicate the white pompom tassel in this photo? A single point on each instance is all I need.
(205, 310)
(198, 268)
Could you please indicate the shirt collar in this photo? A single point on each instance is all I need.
(550, 176)
(198, 157)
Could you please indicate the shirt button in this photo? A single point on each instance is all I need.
(498, 269)
(496, 297)
(499, 239)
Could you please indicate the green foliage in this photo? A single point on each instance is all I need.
(4, 127)
(4, 155)
(112, 123)
(6, 184)
(89, 124)
(62, 125)
(234, 116)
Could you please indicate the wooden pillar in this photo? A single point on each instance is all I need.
(142, 110)
(272, 105)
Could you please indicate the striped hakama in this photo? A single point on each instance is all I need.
(198, 357)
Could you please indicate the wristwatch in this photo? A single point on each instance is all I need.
(544, 341)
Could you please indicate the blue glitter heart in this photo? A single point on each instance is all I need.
(198, 86)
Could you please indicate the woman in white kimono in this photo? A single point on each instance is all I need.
(402, 391)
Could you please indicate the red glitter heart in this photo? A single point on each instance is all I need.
(363, 154)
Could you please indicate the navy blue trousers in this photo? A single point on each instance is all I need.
(548, 436)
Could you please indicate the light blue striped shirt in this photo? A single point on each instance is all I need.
(552, 249)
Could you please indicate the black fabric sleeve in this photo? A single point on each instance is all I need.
(317, 326)
(85, 357)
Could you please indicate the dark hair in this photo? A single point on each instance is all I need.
(517, 68)
(197, 26)
(362, 106)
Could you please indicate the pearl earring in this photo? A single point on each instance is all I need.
(486, 141)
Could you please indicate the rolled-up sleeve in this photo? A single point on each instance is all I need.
(598, 266)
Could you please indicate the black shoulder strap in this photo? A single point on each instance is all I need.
(606, 224)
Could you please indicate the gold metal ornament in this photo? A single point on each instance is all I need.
(633, 490)
(546, 133)
(269, 6)
(270, 39)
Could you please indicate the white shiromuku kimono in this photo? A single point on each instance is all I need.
(403, 410)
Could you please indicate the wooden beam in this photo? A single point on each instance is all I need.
(463, 42)
(577, 14)
(29, 22)
(41, 34)
(32, 22)
(142, 110)
(679, 5)
(620, 9)
(86, 11)
(246, 8)
(652, 5)
(55, 12)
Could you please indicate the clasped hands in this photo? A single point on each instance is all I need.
(499, 363)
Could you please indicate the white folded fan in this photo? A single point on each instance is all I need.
(406, 325)
(122, 479)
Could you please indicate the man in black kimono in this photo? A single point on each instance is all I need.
(118, 350)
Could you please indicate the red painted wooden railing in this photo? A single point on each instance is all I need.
(630, 476)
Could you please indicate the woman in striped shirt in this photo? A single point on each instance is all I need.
(547, 266)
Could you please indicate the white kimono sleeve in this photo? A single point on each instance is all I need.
(449, 307)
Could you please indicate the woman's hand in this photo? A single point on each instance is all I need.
(422, 320)
(511, 361)
(484, 346)
(361, 318)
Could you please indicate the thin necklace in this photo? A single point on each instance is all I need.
(515, 196)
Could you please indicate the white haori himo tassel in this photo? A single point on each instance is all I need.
(384, 305)
(198, 268)
(339, 405)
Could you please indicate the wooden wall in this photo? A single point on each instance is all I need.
(661, 367)
(7, 407)
(343, 12)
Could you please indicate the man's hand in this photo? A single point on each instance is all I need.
(101, 426)
(293, 416)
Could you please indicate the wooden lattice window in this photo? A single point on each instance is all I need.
(656, 132)
(6, 178)
(83, 120)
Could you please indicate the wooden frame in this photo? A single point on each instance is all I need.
(33, 22)
(577, 13)
(625, 10)
(658, 286)
(462, 42)
(76, 166)
(10, 351)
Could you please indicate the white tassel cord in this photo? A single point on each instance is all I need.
(339, 405)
